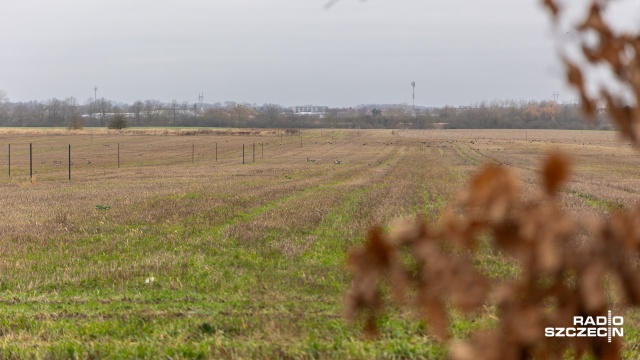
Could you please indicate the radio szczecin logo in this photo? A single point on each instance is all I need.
(590, 326)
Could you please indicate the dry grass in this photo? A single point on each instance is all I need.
(247, 259)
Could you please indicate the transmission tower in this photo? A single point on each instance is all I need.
(200, 101)
(555, 96)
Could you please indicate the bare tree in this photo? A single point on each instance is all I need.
(104, 106)
(54, 112)
(174, 109)
(151, 108)
(69, 109)
(136, 109)
(4, 99)
(242, 113)
(331, 117)
(184, 113)
(290, 116)
(273, 113)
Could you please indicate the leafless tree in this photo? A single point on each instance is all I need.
(54, 112)
(272, 112)
(242, 113)
(150, 110)
(104, 106)
(290, 116)
(69, 109)
(174, 109)
(136, 109)
(4, 99)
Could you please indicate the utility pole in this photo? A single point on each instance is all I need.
(413, 85)
(95, 101)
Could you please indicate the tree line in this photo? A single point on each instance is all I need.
(101, 112)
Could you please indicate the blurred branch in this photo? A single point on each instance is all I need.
(330, 4)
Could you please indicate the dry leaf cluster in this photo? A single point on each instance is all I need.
(430, 266)
(616, 51)
(561, 276)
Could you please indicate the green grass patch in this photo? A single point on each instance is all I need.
(600, 204)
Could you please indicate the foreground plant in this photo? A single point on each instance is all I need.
(565, 262)
(561, 275)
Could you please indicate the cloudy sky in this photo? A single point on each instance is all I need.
(289, 52)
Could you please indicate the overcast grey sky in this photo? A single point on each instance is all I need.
(290, 52)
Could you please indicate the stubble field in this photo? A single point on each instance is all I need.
(177, 254)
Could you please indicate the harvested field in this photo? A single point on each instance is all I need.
(178, 254)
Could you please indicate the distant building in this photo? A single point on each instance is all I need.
(309, 110)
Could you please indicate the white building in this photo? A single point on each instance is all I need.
(309, 110)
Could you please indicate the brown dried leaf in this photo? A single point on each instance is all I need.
(436, 316)
(574, 74)
(607, 350)
(371, 327)
(594, 21)
(630, 285)
(591, 287)
(468, 289)
(492, 191)
(551, 5)
(549, 255)
(555, 171)
(525, 324)
(379, 251)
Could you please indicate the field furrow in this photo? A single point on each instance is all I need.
(178, 255)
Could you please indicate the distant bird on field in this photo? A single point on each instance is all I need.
(337, 162)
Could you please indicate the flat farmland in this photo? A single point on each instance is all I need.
(179, 254)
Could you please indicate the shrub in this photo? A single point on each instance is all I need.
(76, 123)
(118, 121)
